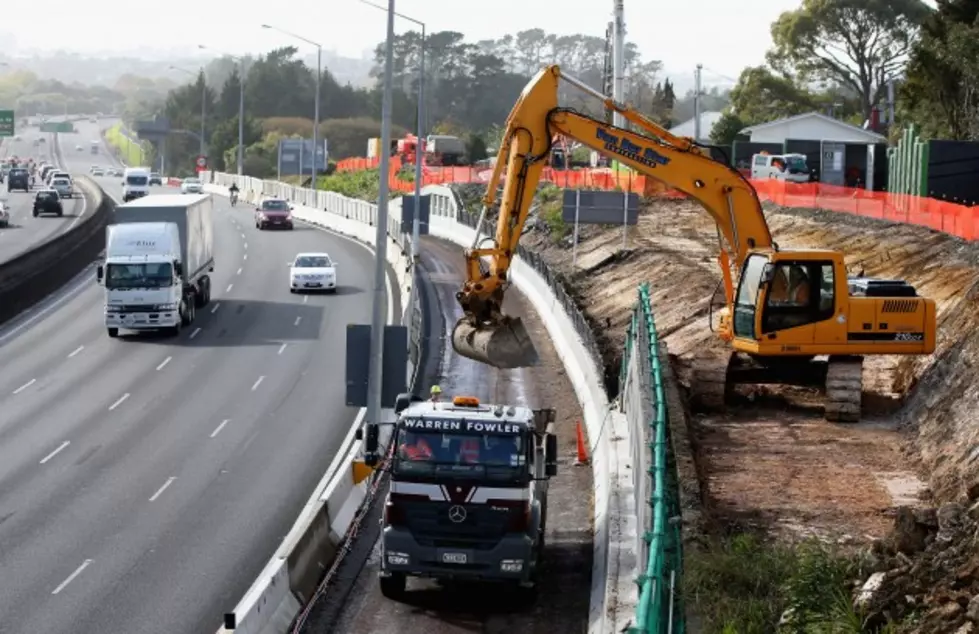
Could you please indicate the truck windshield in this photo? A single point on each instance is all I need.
(137, 180)
(796, 165)
(493, 456)
(145, 275)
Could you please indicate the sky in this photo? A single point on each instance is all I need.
(723, 35)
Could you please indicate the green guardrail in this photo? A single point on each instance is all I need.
(660, 609)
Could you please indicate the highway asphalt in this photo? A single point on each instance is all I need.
(144, 483)
(26, 231)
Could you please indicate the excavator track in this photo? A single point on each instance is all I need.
(844, 387)
(708, 386)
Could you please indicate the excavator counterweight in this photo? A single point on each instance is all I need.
(505, 344)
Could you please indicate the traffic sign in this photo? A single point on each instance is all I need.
(201, 163)
(6, 123)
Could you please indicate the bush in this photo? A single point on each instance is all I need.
(364, 184)
(347, 137)
(743, 584)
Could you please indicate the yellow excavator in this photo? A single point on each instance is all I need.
(783, 310)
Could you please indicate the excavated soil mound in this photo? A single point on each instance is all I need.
(926, 573)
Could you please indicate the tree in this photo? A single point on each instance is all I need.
(727, 129)
(937, 92)
(760, 96)
(858, 44)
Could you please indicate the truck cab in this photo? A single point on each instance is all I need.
(468, 493)
(791, 168)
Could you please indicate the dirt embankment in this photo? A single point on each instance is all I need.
(770, 461)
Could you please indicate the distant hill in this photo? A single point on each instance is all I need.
(70, 67)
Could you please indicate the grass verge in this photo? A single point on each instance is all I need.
(131, 153)
(743, 584)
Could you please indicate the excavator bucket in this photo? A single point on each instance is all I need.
(504, 345)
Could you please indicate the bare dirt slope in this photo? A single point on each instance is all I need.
(771, 460)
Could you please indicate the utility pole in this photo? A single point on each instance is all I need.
(698, 90)
(618, 59)
(376, 376)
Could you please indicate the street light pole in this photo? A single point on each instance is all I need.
(419, 133)
(376, 376)
(241, 107)
(241, 117)
(316, 100)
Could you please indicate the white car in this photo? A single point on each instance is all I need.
(4, 215)
(191, 186)
(63, 187)
(313, 272)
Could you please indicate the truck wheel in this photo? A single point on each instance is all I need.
(113, 332)
(187, 317)
(393, 586)
(200, 297)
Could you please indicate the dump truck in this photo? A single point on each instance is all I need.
(468, 493)
(158, 258)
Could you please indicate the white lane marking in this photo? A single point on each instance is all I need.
(55, 452)
(258, 382)
(216, 307)
(246, 244)
(242, 235)
(72, 576)
(76, 351)
(220, 427)
(230, 286)
(196, 332)
(282, 348)
(122, 399)
(164, 364)
(298, 319)
(305, 298)
(163, 488)
(244, 257)
(239, 271)
(25, 386)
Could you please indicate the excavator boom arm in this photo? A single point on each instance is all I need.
(485, 333)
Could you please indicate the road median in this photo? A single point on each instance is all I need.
(33, 275)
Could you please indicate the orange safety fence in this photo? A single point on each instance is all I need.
(952, 218)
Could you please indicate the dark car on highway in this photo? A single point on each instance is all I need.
(274, 212)
(18, 178)
(156, 179)
(48, 201)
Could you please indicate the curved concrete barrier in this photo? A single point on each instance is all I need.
(340, 497)
(33, 275)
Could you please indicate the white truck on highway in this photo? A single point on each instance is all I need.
(158, 255)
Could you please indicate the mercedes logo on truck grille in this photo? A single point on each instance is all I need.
(457, 514)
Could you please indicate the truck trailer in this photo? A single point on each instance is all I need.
(158, 255)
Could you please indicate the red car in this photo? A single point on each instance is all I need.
(273, 212)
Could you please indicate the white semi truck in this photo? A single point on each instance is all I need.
(158, 255)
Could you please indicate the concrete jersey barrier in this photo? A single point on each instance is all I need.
(266, 604)
(33, 275)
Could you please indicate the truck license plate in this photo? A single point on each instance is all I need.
(454, 558)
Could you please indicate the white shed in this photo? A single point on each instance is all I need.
(811, 126)
(688, 128)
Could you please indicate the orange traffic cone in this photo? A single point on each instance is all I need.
(582, 446)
